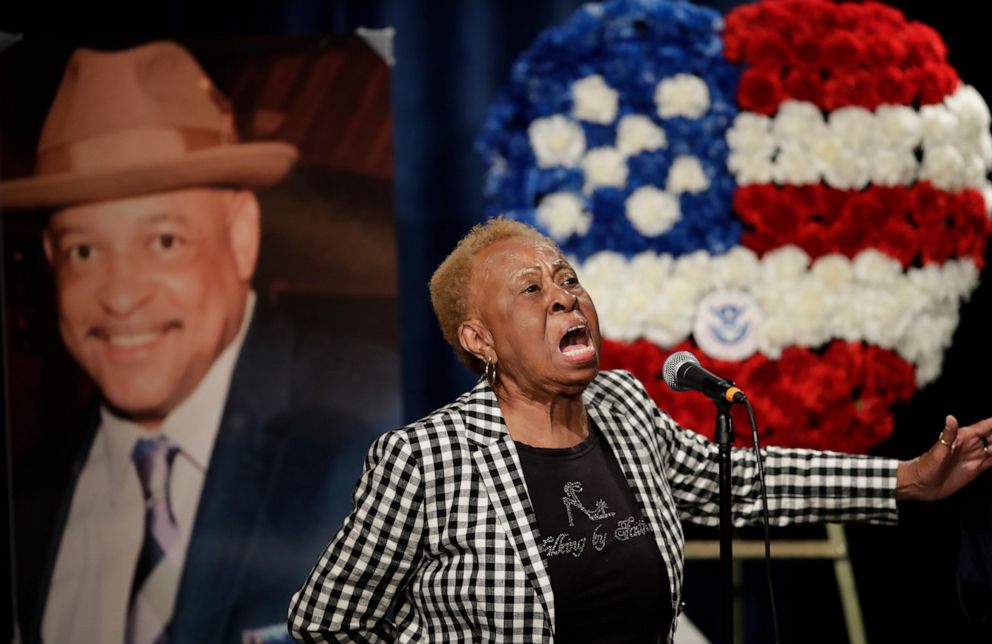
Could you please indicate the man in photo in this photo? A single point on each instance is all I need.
(227, 440)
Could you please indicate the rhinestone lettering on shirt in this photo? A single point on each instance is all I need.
(566, 543)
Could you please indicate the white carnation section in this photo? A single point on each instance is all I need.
(637, 133)
(604, 167)
(594, 101)
(871, 299)
(686, 175)
(852, 147)
(556, 141)
(651, 211)
(563, 214)
(682, 95)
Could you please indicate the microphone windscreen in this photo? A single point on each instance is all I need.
(670, 372)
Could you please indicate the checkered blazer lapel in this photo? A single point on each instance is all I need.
(499, 467)
(641, 467)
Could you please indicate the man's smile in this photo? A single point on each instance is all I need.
(128, 339)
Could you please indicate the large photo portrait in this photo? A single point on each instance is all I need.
(200, 324)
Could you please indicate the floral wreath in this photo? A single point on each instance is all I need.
(796, 193)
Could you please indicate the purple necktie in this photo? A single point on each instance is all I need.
(153, 588)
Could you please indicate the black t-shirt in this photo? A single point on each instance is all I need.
(608, 578)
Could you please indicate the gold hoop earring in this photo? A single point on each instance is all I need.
(490, 372)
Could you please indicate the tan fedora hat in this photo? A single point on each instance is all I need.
(135, 122)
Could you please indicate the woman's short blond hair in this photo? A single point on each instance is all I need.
(450, 282)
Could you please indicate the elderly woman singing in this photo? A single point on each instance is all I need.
(545, 504)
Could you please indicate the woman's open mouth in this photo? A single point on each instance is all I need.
(576, 345)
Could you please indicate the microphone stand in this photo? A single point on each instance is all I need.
(724, 438)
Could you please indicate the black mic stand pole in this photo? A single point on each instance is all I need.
(724, 438)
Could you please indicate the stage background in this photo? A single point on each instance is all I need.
(452, 59)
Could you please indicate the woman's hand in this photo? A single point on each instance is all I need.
(959, 455)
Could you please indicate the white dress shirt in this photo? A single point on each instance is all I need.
(91, 584)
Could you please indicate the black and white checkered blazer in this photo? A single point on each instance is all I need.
(443, 533)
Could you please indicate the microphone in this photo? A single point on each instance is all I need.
(683, 372)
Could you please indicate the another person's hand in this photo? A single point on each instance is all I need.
(959, 455)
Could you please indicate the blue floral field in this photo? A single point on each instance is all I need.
(633, 45)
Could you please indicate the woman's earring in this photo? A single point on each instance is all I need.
(490, 372)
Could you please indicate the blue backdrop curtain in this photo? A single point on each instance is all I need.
(452, 58)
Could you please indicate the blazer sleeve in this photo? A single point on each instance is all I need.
(804, 485)
(356, 580)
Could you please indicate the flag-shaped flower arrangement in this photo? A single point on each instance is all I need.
(796, 193)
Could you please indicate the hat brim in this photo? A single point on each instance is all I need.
(247, 165)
